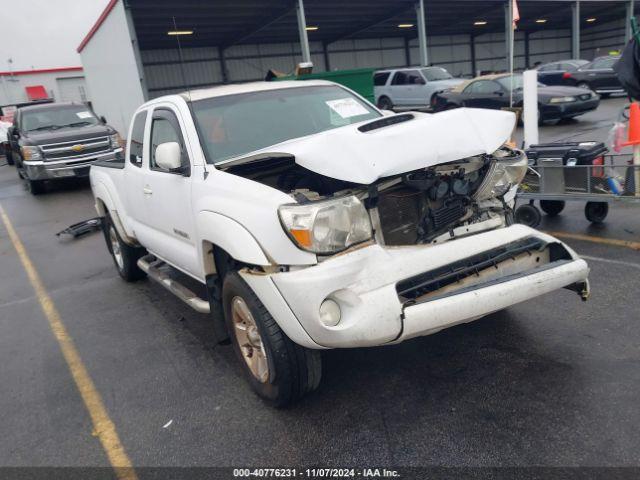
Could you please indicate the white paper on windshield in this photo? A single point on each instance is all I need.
(84, 115)
(347, 107)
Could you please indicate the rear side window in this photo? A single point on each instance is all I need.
(137, 138)
(414, 78)
(400, 78)
(380, 79)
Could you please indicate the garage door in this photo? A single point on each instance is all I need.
(72, 89)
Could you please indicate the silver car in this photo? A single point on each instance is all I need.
(410, 87)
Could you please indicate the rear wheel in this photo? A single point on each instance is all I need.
(385, 103)
(124, 256)
(552, 207)
(596, 212)
(278, 370)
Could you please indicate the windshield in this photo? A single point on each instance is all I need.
(517, 82)
(59, 117)
(433, 74)
(235, 125)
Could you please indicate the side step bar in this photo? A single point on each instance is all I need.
(151, 266)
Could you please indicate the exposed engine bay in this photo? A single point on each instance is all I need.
(417, 207)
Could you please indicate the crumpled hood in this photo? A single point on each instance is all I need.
(348, 154)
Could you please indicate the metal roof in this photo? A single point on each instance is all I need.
(230, 22)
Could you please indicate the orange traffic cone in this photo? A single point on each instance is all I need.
(634, 125)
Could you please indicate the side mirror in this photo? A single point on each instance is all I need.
(102, 119)
(169, 157)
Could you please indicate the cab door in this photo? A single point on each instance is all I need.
(169, 213)
(135, 173)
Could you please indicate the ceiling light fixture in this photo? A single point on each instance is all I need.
(180, 32)
(591, 20)
(480, 22)
(541, 20)
(405, 25)
(311, 28)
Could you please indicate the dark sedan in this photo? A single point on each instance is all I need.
(556, 73)
(598, 76)
(494, 92)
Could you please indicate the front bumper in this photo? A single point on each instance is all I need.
(56, 169)
(367, 284)
(571, 109)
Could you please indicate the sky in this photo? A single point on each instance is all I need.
(45, 33)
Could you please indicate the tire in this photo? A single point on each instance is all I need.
(35, 187)
(583, 85)
(125, 257)
(385, 103)
(9, 158)
(605, 95)
(552, 207)
(278, 370)
(596, 212)
(528, 215)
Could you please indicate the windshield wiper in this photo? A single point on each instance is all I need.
(76, 124)
(44, 127)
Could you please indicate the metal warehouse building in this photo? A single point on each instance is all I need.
(130, 55)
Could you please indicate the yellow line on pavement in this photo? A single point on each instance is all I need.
(102, 424)
(605, 241)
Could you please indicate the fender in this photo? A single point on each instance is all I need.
(101, 194)
(231, 236)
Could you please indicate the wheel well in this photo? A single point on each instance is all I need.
(217, 261)
(101, 208)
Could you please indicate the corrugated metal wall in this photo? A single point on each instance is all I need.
(202, 66)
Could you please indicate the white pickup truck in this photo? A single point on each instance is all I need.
(313, 220)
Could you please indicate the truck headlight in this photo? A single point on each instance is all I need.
(115, 140)
(31, 153)
(562, 100)
(327, 226)
(502, 175)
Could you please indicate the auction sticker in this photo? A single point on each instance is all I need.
(347, 107)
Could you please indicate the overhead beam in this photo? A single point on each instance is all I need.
(364, 26)
(264, 23)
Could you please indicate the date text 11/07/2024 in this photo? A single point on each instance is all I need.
(315, 473)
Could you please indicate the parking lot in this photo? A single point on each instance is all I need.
(551, 382)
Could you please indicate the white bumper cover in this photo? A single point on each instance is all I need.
(363, 282)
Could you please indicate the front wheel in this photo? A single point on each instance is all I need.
(35, 187)
(278, 370)
(528, 215)
(124, 256)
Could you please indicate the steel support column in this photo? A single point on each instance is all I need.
(223, 65)
(325, 52)
(575, 30)
(527, 51)
(407, 52)
(627, 24)
(508, 34)
(302, 28)
(472, 48)
(422, 33)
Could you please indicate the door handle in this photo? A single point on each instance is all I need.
(147, 190)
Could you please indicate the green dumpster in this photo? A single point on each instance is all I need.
(359, 80)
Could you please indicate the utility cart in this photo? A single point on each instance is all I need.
(583, 172)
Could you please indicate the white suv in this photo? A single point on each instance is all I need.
(410, 87)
